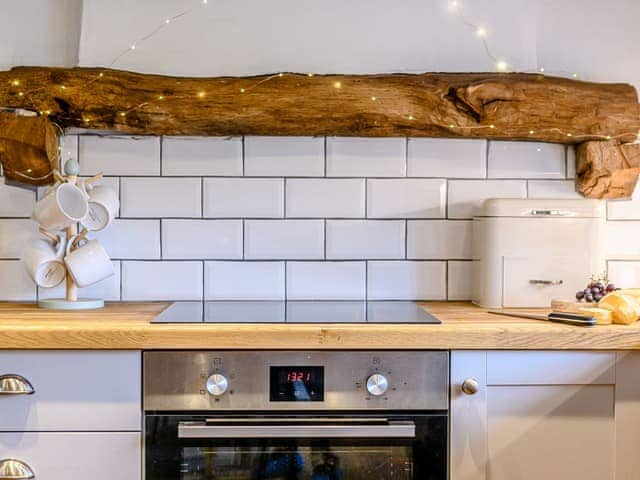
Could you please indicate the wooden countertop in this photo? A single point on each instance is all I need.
(126, 326)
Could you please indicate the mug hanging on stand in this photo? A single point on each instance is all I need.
(44, 262)
(103, 206)
(89, 263)
(61, 207)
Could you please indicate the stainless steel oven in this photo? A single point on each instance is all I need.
(296, 415)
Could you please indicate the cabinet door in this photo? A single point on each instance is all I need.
(75, 456)
(73, 391)
(535, 415)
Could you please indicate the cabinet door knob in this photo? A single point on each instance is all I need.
(470, 386)
(13, 384)
(11, 469)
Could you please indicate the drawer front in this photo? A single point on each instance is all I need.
(74, 391)
(534, 282)
(65, 456)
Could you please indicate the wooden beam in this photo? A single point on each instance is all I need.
(607, 169)
(28, 149)
(474, 105)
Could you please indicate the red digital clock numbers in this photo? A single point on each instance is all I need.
(296, 383)
(299, 376)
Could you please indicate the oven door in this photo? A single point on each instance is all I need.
(305, 447)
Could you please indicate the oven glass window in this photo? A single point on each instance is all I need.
(304, 463)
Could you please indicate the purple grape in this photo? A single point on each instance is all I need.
(596, 290)
(597, 297)
(589, 298)
(579, 295)
(611, 287)
(600, 286)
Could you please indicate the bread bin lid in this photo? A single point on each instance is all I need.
(551, 208)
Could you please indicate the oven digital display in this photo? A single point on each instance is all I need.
(296, 384)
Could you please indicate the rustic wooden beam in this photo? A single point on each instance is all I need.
(607, 169)
(475, 105)
(28, 148)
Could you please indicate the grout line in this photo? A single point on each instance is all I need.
(486, 159)
(161, 242)
(366, 280)
(201, 197)
(325, 157)
(242, 147)
(406, 157)
(161, 155)
(406, 239)
(243, 238)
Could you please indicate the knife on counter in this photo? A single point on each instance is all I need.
(568, 318)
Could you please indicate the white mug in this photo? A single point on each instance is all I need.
(103, 207)
(62, 207)
(43, 259)
(88, 264)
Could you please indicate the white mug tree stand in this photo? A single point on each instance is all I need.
(71, 300)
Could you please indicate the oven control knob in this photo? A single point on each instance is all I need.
(217, 384)
(377, 384)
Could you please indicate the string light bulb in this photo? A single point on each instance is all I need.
(575, 75)
(201, 94)
(541, 69)
(374, 98)
(204, 2)
(242, 90)
(453, 4)
(167, 21)
(309, 74)
(123, 114)
(160, 97)
(569, 135)
(502, 66)
(410, 117)
(281, 74)
(15, 83)
(492, 126)
(531, 132)
(132, 47)
(21, 94)
(481, 31)
(337, 85)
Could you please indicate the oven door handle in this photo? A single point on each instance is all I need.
(399, 429)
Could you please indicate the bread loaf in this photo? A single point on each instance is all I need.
(624, 308)
(602, 315)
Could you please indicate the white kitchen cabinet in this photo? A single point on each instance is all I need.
(74, 391)
(74, 455)
(545, 415)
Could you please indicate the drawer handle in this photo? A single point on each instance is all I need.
(11, 469)
(13, 384)
(546, 282)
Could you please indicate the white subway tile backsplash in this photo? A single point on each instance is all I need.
(447, 157)
(625, 209)
(131, 239)
(439, 239)
(325, 198)
(160, 197)
(149, 281)
(124, 156)
(366, 157)
(15, 283)
(466, 196)
(406, 198)
(244, 281)
(364, 239)
(406, 280)
(244, 197)
(526, 160)
(284, 156)
(16, 201)
(571, 161)
(107, 289)
(622, 240)
(624, 274)
(284, 239)
(459, 280)
(326, 280)
(15, 235)
(201, 156)
(68, 149)
(201, 239)
(552, 189)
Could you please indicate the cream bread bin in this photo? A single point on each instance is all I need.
(528, 252)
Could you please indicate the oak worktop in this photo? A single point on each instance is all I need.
(464, 326)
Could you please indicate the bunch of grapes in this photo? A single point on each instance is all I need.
(595, 290)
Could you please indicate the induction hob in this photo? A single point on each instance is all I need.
(299, 312)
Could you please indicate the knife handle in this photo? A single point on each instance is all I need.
(572, 319)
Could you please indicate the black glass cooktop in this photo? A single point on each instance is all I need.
(297, 312)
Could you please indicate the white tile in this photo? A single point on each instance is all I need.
(553, 189)
(15, 235)
(148, 281)
(466, 196)
(284, 239)
(447, 157)
(439, 239)
(181, 312)
(107, 289)
(119, 155)
(402, 280)
(335, 197)
(244, 312)
(131, 239)
(195, 239)
(244, 280)
(160, 197)
(366, 157)
(326, 280)
(571, 161)
(406, 198)
(15, 283)
(68, 149)
(201, 156)
(459, 281)
(526, 160)
(624, 274)
(244, 197)
(625, 209)
(622, 240)
(284, 156)
(363, 239)
(16, 201)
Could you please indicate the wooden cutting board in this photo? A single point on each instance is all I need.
(570, 306)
